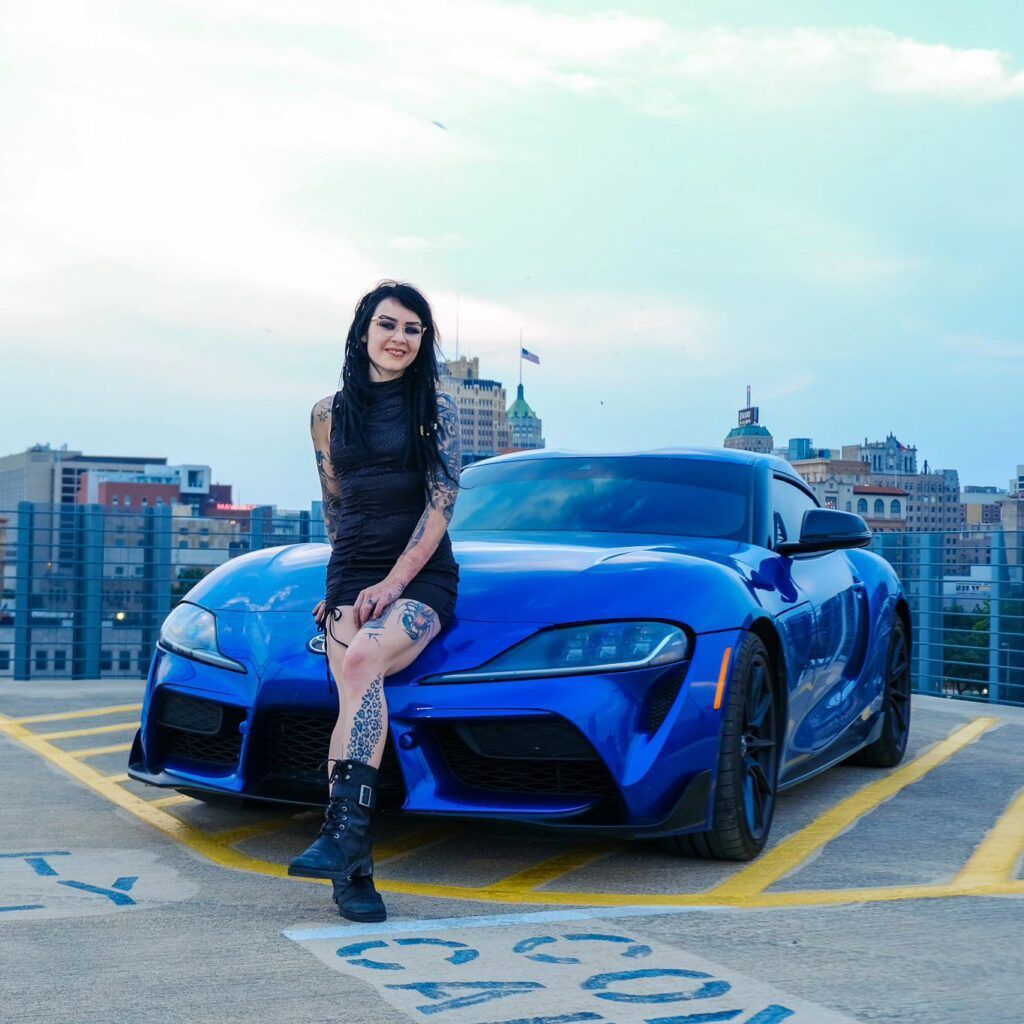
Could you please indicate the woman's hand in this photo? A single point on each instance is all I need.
(318, 614)
(373, 601)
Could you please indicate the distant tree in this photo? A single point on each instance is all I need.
(965, 648)
(187, 579)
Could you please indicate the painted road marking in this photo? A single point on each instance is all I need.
(987, 875)
(172, 801)
(999, 855)
(532, 878)
(93, 731)
(518, 972)
(36, 885)
(115, 748)
(59, 716)
(795, 849)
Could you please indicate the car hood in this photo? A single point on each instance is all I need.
(527, 578)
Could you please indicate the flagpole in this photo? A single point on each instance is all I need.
(456, 326)
(520, 355)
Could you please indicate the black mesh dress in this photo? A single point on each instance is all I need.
(381, 501)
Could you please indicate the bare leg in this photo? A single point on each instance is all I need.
(383, 646)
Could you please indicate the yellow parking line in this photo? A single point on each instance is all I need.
(530, 879)
(93, 751)
(795, 849)
(231, 836)
(997, 857)
(118, 777)
(91, 713)
(215, 850)
(170, 801)
(94, 731)
(171, 826)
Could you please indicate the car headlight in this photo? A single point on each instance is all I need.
(192, 632)
(576, 650)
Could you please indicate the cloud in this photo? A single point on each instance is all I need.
(418, 243)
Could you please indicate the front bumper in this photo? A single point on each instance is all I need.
(630, 753)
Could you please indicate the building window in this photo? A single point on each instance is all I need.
(848, 507)
(160, 501)
(895, 507)
(115, 501)
(127, 501)
(879, 507)
(145, 501)
(204, 543)
(5, 659)
(118, 570)
(124, 661)
(60, 660)
(182, 543)
(106, 660)
(41, 661)
(862, 505)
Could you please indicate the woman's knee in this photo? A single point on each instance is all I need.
(364, 661)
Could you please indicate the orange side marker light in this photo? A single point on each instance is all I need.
(722, 673)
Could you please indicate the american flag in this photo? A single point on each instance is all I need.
(527, 354)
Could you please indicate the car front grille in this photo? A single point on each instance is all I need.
(297, 746)
(199, 730)
(546, 755)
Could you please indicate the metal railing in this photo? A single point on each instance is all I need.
(86, 589)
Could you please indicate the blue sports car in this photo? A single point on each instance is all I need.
(645, 644)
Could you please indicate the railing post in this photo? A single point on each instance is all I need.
(317, 528)
(156, 575)
(87, 629)
(930, 561)
(23, 590)
(258, 532)
(996, 658)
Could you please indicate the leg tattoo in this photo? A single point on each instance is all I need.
(417, 619)
(368, 724)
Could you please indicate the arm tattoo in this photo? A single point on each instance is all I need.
(449, 444)
(368, 724)
(329, 484)
(444, 487)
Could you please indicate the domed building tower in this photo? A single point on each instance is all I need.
(525, 424)
(749, 435)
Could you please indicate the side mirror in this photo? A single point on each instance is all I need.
(827, 529)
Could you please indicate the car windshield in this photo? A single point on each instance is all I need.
(621, 494)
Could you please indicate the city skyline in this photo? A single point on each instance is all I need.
(778, 446)
(669, 202)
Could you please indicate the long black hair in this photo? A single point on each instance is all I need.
(420, 391)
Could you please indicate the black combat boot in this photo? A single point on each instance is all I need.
(358, 899)
(343, 846)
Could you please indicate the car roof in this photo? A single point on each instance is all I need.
(734, 455)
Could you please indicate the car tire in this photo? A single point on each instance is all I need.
(888, 750)
(748, 763)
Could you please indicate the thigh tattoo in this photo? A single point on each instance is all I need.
(417, 619)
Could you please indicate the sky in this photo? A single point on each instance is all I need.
(671, 201)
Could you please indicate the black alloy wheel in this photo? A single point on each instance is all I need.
(748, 762)
(759, 749)
(889, 748)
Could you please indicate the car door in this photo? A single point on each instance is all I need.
(825, 701)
